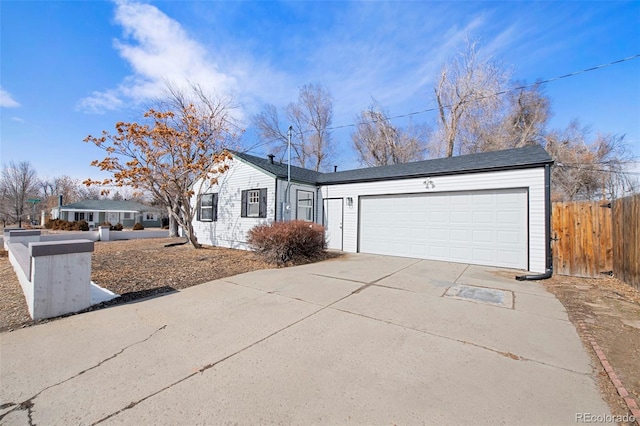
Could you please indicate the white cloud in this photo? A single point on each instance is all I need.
(17, 119)
(99, 102)
(158, 50)
(6, 101)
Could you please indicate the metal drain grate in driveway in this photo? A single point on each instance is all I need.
(489, 296)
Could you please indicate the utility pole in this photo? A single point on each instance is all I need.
(288, 200)
(33, 201)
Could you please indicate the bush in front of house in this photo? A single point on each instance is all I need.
(284, 242)
(138, 227)
(117, 227)
(64, 225)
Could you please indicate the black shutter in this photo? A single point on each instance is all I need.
(263, 203)
(215, 207)
(198, 207)
(243, 205)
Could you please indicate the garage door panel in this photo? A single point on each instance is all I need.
(456, 217)
(481, 227)
(438, 217)
(483, 255)
(509, 217)
(482, 236)
(509, 237)
(460, 235)
(483, 217)
(459, 253)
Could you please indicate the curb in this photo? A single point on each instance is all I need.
(617, 383)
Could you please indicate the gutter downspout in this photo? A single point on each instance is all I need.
(547, 225)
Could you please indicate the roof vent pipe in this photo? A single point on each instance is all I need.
(271, 158)
(335, 169)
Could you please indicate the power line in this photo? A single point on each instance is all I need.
(526, 86)
(598, 170)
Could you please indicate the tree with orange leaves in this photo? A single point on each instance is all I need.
(167, 154)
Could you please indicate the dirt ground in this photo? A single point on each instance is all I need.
(141, 268)
(135, 269)
(610, 309)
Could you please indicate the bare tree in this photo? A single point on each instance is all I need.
(19, 182)
(467, 94)
(377, 142)
(588, 169)
(69, 188)
(169, 153)
(310, 117)
(207, 107)
(527, 115)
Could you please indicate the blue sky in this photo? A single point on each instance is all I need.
(73, 68)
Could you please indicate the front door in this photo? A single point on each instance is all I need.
(332, 220)
(113, 217)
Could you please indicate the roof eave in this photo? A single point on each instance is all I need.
(442, 173)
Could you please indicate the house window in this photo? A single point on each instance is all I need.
(90, 216)
(254, 203)
(208, 208)
(127, 215)
(78, 216)
(149, 216)
(305, 205)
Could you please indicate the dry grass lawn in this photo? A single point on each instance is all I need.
(136, 269)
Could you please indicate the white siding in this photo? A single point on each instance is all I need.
(230, 230)
(531, 179)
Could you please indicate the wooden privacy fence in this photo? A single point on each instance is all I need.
(582, 238)
(595, 237)
(626, 239)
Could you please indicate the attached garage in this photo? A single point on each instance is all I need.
(479, 227)
(490, 208)
(485, 209)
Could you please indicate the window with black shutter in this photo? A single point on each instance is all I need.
(208, 208)
(254, 203)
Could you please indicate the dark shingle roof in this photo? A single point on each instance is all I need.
(515, 158)
(279, 169)
(109, 205)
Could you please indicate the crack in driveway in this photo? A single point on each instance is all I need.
(465, 342)
(28, 404)
(206, 367)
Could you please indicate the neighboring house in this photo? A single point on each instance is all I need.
(489, 209)
(96, 212)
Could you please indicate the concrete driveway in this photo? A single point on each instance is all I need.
(361, 339)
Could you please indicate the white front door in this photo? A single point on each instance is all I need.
(113, 217)
(332, 221)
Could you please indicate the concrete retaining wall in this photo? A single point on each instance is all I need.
(55, 276)
(101, 234)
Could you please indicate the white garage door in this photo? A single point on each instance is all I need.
(478, 227)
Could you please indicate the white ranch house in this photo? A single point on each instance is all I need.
(487, 209)
(95, 212)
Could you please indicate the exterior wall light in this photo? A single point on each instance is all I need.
(350, 202)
